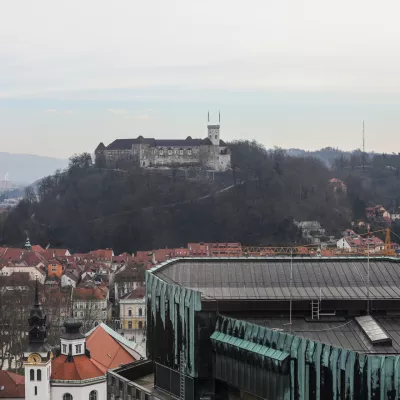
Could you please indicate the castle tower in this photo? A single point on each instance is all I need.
(213, 131)
(38, 355)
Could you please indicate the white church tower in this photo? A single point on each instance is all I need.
(213, 131)
(38, 355)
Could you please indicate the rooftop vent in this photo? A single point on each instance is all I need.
(373, 331)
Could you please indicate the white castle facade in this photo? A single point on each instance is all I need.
(210, 153)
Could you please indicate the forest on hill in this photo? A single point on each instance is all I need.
(85, 207)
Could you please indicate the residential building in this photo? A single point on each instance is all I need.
(33, 272)
(268, 328)
(91, 305)
(132, 313)
(69, 279)
(353, 242)
(55, 268)
(337, 185)
(128, 279)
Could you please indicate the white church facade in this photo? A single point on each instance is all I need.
(76, 371)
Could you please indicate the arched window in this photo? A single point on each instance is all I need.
(38, 375)
(93, 395)
(140, 312)
(130, 313)
(140, 324)
(32, 374)
(67, 396)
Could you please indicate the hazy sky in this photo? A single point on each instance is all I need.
(287, 73)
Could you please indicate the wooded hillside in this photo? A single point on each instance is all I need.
(87, 207)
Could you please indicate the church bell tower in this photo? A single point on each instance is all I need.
(37, 355)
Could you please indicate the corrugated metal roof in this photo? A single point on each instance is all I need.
(346, 335)
(269, 278)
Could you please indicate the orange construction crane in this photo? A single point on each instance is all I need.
(388, 251)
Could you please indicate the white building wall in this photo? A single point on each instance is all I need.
(43, 386)
(342, 244)
(78, 391)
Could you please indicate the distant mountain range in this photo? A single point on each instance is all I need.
(24, 169)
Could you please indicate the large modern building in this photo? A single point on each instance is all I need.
(273, 328)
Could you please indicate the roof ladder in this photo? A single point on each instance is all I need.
(315, 308)
(182, 376)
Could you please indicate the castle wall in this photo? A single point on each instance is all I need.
(171, 156)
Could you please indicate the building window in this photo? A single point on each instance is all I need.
(129, 324)
(137, 394)
(140, 324)
(32, 375)
(68, 396)
(121, 385)
(189, 152)
(39, 375)
(35, 390)
(216, 136)
(161, 152)
(130, 313)
(93, 395)
(64, 348)
(70, 349)
(181, 152)
(140, 312)
(78, 348)
(169, 152)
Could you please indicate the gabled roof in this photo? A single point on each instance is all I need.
(137, 293)
(14, 385)
(12, 254)
(95, 293)
(111, 349)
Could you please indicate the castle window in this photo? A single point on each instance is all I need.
(161, 152)
(32, 375)
(130, 313)
(169, 152)
(68, 396)
(181, 152)
(189, 152)
(39, 375)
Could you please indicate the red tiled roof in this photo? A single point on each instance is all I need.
(137, 293)
(106, 351)
(98, 293)
(14, 385)
(106, 254)
(12, 254)
(37, 248)
(80, 368)
(32, 258)
(59, 252)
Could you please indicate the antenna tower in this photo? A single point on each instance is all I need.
(363, 148)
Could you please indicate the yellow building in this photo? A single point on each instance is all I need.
(132, 309)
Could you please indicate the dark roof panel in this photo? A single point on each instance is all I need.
(269, 278)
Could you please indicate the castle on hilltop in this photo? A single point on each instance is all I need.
(210, 153)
